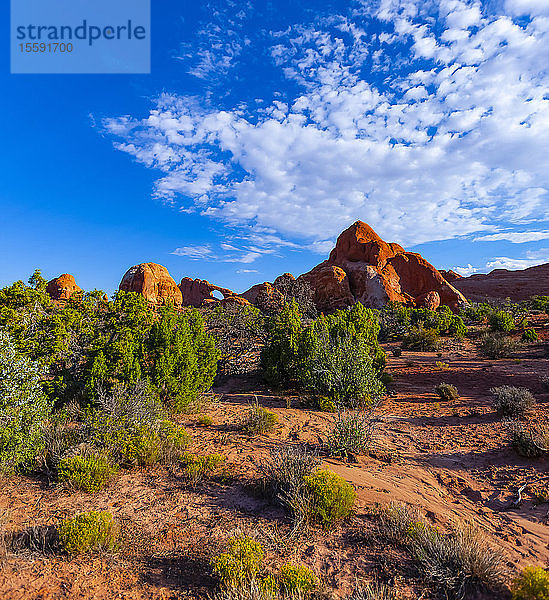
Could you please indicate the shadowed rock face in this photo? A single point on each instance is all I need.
(153, 282)
(62, 288)
(501, 283)
(362, 267)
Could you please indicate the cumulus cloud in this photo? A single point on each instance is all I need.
(466, 271)
(437, 128)
(533, 258)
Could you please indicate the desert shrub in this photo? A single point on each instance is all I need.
(352, 432)
(372, 591)
(394, 521)
(204, 421)
(502, 321)
(132, 427)
(458, 562)
(528, 440)
(529, 335)
(511, 401)
(331, 497)
(496, 345)
(532, 584)
(23, 408)
(447, 391)
(286, 468)
(240, 563)
(255, 589)
(88, 531)
(545, 383)
(258, 420)
(296, 580)
(457, 328)
(539, 303)
(197, 468)
(341, 370)
(419, 338)
(397, 352)
(336, 356)
(89, 473)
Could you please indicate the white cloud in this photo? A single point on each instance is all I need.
(195, 252)
(515, 237)
(452, 145)
(533, 258)
(466, 271)
(247, 271)
(527, 7)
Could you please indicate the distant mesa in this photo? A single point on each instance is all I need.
(62, 288)
(501, 283)
(153, 282)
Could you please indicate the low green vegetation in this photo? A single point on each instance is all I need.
(532, 584)
(197, 468)
(89, 531)
(330, 497)
(258, 420)
(89, 473)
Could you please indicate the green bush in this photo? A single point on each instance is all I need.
(447, 391)
(88, 531)
(204, 421)
(23, 408)
(512, 401)
(240, 563)
(336, 356)
(198, 468)
(131, 426)
(331, 497)
(89, 344)
(296, 579)
(496, 345)
(88, 473)
(341, 370)
(529, 335)
(419, 338)
(501, 321)
(532, 584)
(259, 420)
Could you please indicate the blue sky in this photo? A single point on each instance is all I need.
(265, 128)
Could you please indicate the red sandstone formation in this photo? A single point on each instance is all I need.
(431, 300)
(153, 282)
(196, 291)
(362, 267)
(501, 283)
(62, 288)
